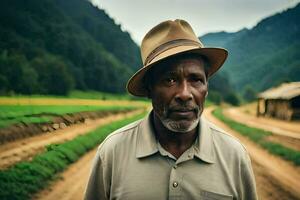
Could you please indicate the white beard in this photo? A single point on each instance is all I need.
(177, 126)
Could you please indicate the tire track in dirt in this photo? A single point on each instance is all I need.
(276, 179)
(25, 149)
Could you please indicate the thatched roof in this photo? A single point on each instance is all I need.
(284, 91)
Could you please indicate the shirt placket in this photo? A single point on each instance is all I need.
(176, 178)
(175, 184)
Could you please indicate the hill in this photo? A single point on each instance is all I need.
(264, 56)
(53, 46)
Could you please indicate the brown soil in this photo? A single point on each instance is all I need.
(72, 183)
(246, 114)
(284, 132)
(24, 149)
(276, 179)
(289, 142)
(23, 130)
(267, 187)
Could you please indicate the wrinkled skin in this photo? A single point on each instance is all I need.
(178, 91)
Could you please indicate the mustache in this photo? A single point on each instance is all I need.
(183, 108)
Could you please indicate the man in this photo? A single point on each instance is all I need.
(173, 153)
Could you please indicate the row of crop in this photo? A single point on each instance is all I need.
(260, 136)
(12, 114)
(28, 177)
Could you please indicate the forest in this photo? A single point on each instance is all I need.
(51, 47)
(55, 46)
(264, 56)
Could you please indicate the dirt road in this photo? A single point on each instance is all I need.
(280, 127)
(72, 183)
(276, 179)
(24, 149)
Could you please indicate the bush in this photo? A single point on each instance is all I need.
(215, 97)
(233, 99)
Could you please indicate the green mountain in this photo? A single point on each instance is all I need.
(264, 56)
(52, 46)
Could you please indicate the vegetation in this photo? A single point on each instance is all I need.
(26, 178)
(13, 114)
(97, 95)
(220, 90)
(53, 46)
(249, 94)
(263, 56)
(260, 136)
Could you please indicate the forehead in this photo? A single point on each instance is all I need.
(176, 65)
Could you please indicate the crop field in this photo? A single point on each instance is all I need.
(24, 177)
(28, 177)
(13, 114)
(39, 109)
(35, 166)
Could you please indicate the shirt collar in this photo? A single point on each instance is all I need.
(204, 146)
(147, 143)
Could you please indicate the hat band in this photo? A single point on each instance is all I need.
(169, 45)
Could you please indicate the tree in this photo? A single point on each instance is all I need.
(232, 98)
(53, 75)
(215, 97)
(249, 93)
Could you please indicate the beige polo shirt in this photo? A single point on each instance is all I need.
(131, 164)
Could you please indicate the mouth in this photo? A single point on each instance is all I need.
(182, 113)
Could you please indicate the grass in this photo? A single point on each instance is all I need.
(26, 178)
(260, 137)
(12, 114)
(78, 94)
(97, 95)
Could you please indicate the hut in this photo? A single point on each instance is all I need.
(282, 102)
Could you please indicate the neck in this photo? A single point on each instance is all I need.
(174, 142)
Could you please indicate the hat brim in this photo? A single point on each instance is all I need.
(215, 56)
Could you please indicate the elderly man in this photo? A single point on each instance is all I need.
(173, 153)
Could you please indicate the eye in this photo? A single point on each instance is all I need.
(169, 80)
(197, 79)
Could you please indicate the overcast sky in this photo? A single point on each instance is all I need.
(139, 16)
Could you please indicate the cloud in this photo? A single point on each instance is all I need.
(137, 17)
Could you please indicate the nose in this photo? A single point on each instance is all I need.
(183, 93)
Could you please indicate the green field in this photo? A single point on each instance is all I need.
(25, 178)
(42, 108)
(12, 114)
(77, 94)
(260, 137)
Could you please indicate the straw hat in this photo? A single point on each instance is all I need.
(167, 39)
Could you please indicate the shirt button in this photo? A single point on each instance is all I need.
(175, 184)
(175, 166)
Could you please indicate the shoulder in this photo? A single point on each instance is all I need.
(226, 141)
(121, 136)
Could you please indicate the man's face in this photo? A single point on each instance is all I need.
(178, 92)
